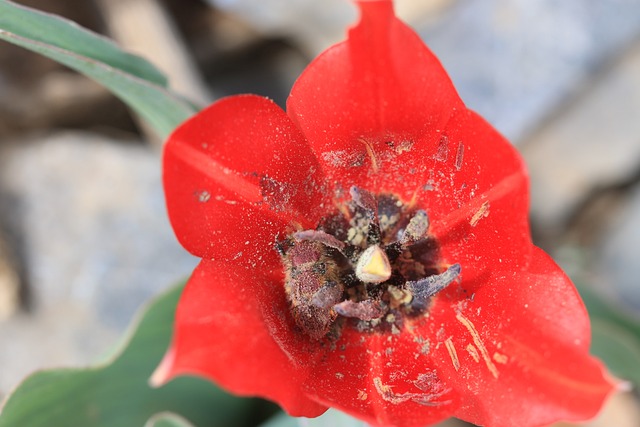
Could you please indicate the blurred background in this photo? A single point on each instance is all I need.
(84, 238)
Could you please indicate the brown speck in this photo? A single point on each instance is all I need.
(362, 395)
(339, 375)
(459, 156)
(483, 212)
(204, 196)
(500, 358)
(443, 149)
(404, 146)
(452, 353)
(371, 154)
(473, 352)
(426, 347)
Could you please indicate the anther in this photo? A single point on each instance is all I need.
(416, 229)
(320, 237)
(429, 286)
(368, 202)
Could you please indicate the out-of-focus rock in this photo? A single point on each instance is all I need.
(592, 145)
(316, 25)
(61, 98)
(97, 244)
(618, 255)
(515, 61)
(9, 282)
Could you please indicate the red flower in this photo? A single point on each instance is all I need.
(369, 250)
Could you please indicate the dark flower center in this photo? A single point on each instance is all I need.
(371, 265)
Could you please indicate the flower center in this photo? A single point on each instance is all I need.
(371, 265)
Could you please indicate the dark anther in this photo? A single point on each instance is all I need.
(363, 310)
(367, 201)
(424, 289)
(321, 237)
(416, 229)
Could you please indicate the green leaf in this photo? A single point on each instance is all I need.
(129, 77)
(117, 394)
(331, 418)
(618, 348)
(599, 306)
(64, 34)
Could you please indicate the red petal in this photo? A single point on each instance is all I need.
(235, 175)
(383, 379)
(226, 323)
(521, 342)
(364, 101)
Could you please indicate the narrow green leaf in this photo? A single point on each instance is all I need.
(618, 348)
(126, 76)
(117, 394)
(64, 34)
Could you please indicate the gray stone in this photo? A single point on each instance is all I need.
(514, 61)
(316, 25)
(91, 216)
(618, 265)
(9, 281)
(592, 145)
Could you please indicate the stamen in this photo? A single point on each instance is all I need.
(424, 289)
(367, 201)
(321, 237)
(373, 265)
(363, 310)
(416, 229)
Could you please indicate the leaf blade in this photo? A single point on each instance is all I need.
(65, 34)
(117, 393)
(129, 77)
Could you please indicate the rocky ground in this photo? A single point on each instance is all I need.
(84, 239)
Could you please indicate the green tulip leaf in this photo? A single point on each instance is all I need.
(601, 307)
(129, 77)
(618, 348)
(116, 393)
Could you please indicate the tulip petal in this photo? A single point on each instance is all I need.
(237, 174)
(366, 100)
(523, 336)
(227, 325)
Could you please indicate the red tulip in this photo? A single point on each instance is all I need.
(369, 250)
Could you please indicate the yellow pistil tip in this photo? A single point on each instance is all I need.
(373, 265)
